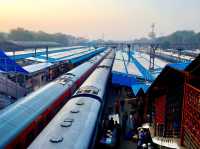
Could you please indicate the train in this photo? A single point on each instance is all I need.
(75, 126)
(22, 121)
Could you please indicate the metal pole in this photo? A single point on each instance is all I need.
(24, 78)
(16, 82)
(15, 75)
(47, 53)
(6, 77)
(35, 51)
(129, 52)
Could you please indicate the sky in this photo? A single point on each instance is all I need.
(93, 19)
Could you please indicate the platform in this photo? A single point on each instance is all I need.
(135, 73)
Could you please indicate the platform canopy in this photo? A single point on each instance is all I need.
(9, 65)
(137, 87)
(37, 67)
(127, 72)
(179, 66)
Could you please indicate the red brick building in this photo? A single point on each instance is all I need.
(190, 130)
(173, 101)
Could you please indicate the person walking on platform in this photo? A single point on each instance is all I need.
(130, 122)
(124, 121)
(141, 136)
(111, 124)
(122, 103)
(118, 130)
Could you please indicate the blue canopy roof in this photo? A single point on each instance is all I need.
(179, 66)
(146, 73)
(137, 87)
(9, 65)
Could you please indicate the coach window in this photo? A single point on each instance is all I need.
(49, 115)
(18, 146)
(30, 137)
(40, 125)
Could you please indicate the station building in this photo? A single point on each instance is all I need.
(172, 102)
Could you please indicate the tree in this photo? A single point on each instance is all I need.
(20, 34)
(3, 36)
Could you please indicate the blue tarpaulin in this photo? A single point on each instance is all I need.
(9, 65)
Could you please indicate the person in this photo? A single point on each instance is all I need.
(130, 122)
(111, 124)
(117, 126)
(124, 121)
(118, 130)
(146, 136)
(141, 138)
(122, 103)
(117, 106)
(134, 122)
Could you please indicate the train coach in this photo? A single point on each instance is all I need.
(75, 125)
(22, 121)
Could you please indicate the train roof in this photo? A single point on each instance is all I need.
(21, 113)
(74, 135)
(67, 53)
(106, 63)
(111, 55)
(119, 66)
(18, 115)
(95, 85)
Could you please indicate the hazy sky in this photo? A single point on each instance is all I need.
(117, 19)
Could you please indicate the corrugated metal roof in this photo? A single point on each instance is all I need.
(137, 67)
(133, 70)
(118, 66)
(69, 56)
(145, 72)
(30, 53)
(37, 67)
(125, 73)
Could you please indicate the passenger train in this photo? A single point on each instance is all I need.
(22, 121)
(75, 125)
